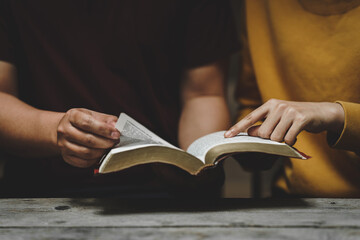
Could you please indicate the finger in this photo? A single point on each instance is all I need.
(290, 137)
(93, 122)
(78, 162)
(110, 119)
(87, 139)
(281, 129)
(253, 131)
(255, 116)
(82, 152)
(268, 126)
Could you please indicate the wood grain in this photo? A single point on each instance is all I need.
(65, 218)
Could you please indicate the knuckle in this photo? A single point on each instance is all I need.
(72, 113)
(112, 119)
(290, 111)
(272, 101)
(103, 129)
(86, 153)
(91, 154)
(89, 140)
(64, 134)
(61, 130)
(86, 122)
(301, 118)
(282, 106)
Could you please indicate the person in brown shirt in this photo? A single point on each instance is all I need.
(68, 68)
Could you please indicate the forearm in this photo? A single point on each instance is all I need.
(27, 131)
(204, 106)
(200, 116)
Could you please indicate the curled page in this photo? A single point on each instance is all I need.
(130, 128)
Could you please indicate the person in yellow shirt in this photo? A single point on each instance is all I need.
(303, 58)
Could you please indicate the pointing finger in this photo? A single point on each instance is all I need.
(255, 116)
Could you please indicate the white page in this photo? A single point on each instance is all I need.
(127, 143)
(201, 146)
(133, 136)
(130, 128)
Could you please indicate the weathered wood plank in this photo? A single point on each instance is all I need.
(178, 233)
(125, 213)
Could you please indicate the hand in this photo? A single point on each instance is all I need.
(284, 120)
(83, 136)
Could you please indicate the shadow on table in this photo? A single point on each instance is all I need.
(113, 206)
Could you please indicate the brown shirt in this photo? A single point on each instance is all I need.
(113, 56)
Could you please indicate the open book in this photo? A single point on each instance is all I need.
(138, 145)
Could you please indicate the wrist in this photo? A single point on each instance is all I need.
(338, 117)
(49, 122)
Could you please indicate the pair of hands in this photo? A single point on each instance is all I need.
(83, 136)
(284, 120)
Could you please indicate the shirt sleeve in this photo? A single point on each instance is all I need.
(6, 47)
(349, 139)
(210, 32)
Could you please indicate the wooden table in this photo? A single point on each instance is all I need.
(66, 218)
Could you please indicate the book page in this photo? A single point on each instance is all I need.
(139, 134)
(201, 146)
(127, 143)
(133, 136)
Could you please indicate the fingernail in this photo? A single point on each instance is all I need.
(229, 133)
(113, 123)
(115, 135)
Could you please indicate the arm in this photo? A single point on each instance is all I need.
(204, 111)
(21, 123)
(204, 103)
(79, 135)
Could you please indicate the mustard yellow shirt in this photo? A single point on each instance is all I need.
(303, 50)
